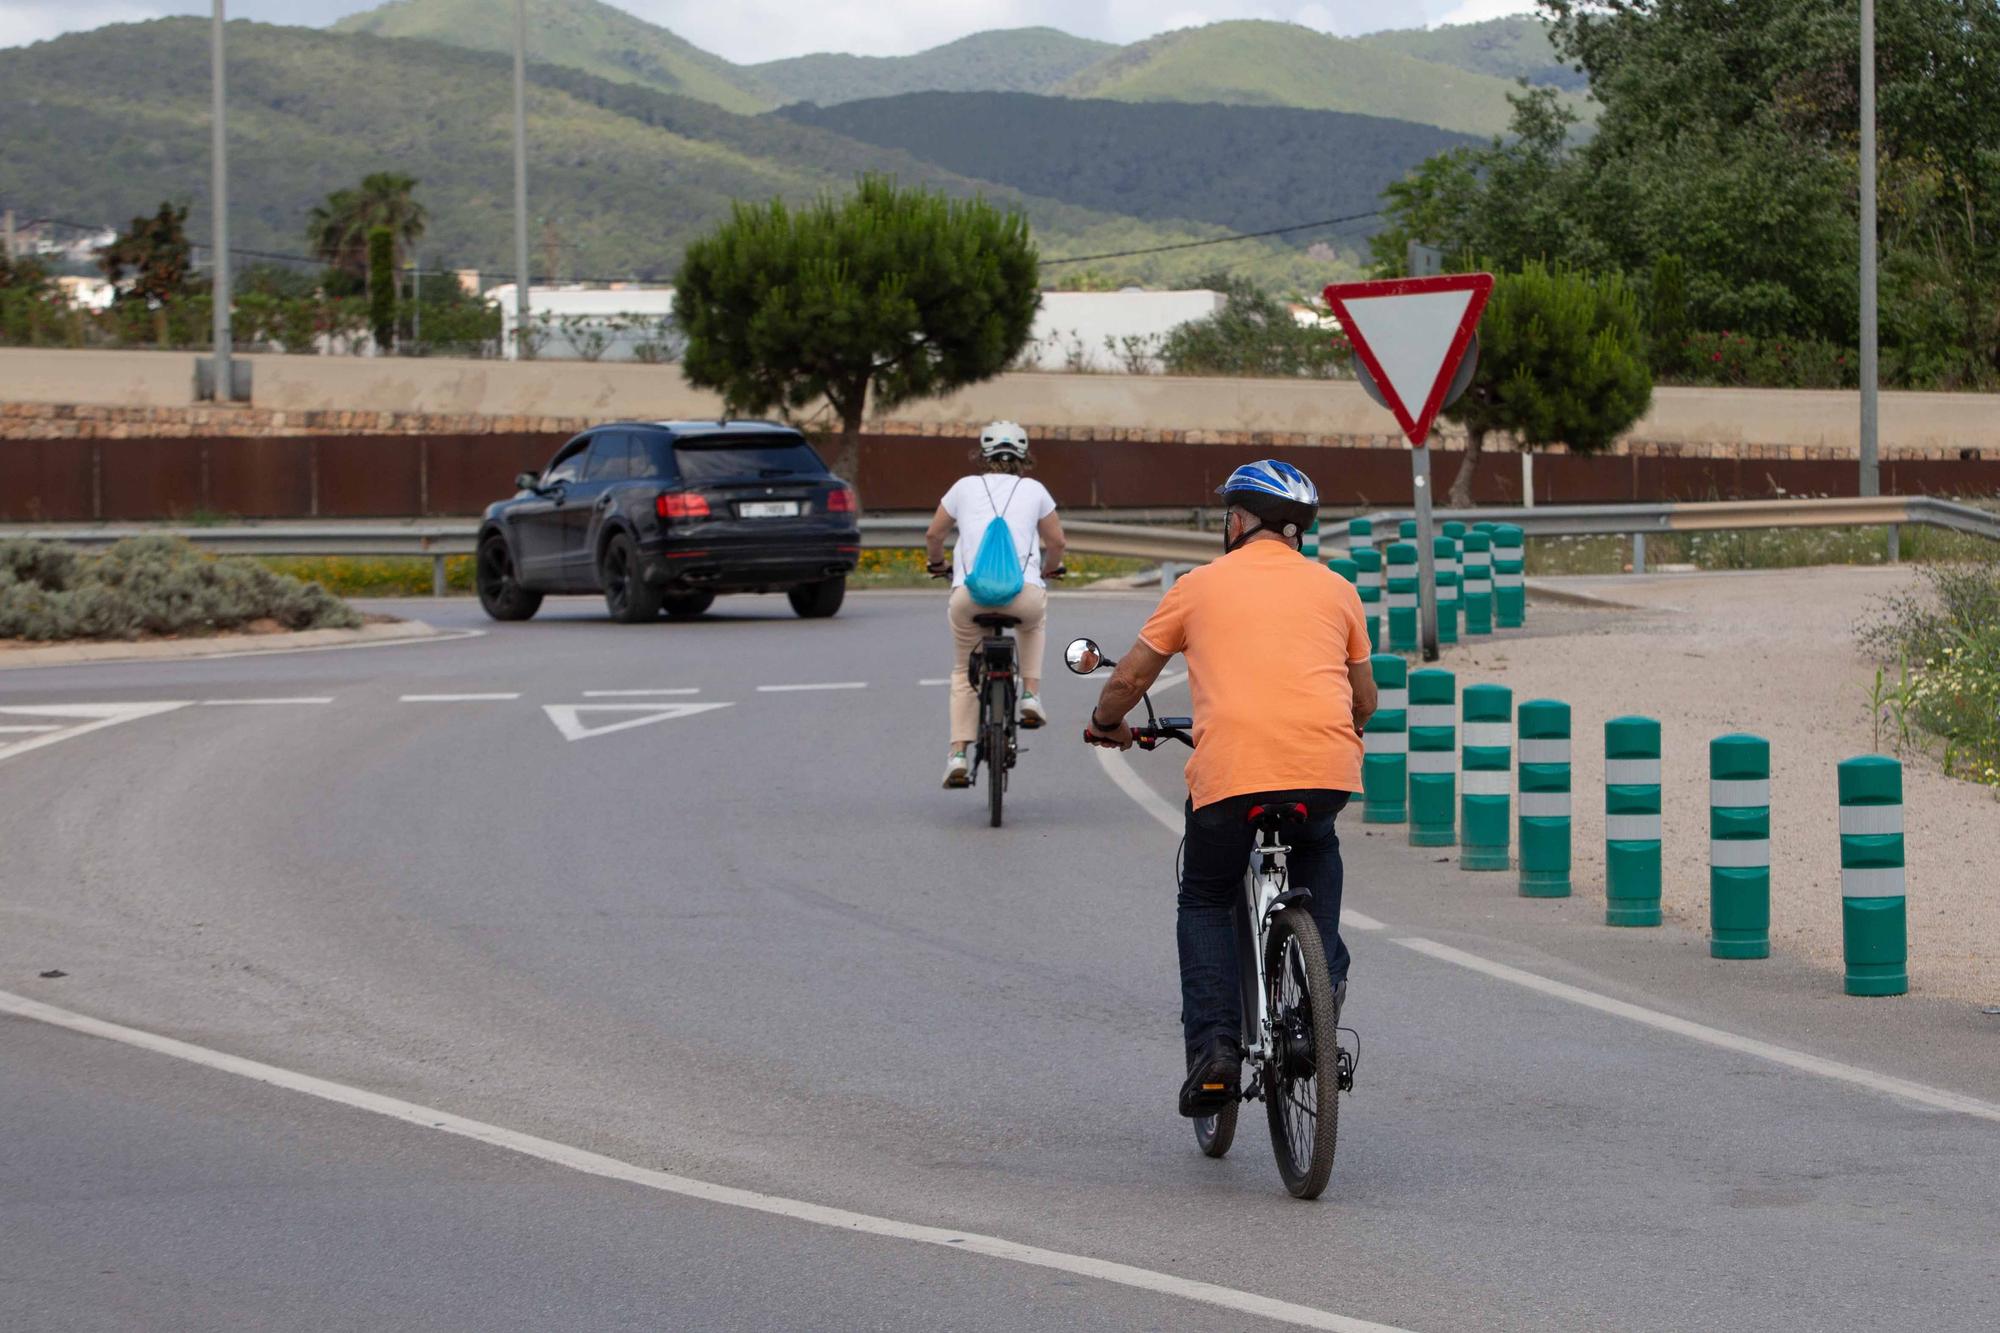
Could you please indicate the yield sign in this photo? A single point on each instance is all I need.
(604, 719)
(1411, 334)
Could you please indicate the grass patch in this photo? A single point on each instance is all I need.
(372, 576)
(885, 568)
(150, 587)
(1943, 644)
(1758, 548)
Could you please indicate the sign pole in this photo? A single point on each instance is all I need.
(1427, 592)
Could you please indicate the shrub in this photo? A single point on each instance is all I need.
(149, 585)
(1737, 359)
(1946, 639)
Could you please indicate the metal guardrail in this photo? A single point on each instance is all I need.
(1133, 537)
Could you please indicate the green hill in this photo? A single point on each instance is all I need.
(1256, 167)
(1258, 63)
(103, 125)
(1507, 48)
(588, 35)
(1020, 60)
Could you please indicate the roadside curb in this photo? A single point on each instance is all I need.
(1545, 592)
(220, 646)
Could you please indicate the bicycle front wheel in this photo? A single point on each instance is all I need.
(1301, 1079)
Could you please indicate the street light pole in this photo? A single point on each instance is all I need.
(222, 390)
(520, 177)
(1871, 466)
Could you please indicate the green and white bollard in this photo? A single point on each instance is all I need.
(1360, 533)
(1348, 570)
(1433, 758)
(1510, 592)
(1309, 544)
(1406, 531)
(1545, 799)
(1402, 584)
(1456, 531)
(1483, 780)
(1485, 525)
(1368, 582)
(1632, 822)
(1874, 923)
(1385, 762)
(1739, 847)
(1444, 560)
(1477, 575)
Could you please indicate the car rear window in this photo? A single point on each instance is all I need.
(745, 458)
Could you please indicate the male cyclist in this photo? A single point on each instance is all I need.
(1277, 660)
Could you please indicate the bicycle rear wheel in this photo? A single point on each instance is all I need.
(1301, 1080)
(1214, 1133)
(995, 732)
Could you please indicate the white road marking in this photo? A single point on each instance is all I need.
(1356, 921)
(634, 694)
(95, 717)
(935, 680)
(442, 636)
(249, 703)
(825, 685)
(41, 726)
(1937, 1098)
(570, 722)
(610, 1168)
(454, 698)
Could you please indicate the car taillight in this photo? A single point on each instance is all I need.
(840, 501)
(681, 504)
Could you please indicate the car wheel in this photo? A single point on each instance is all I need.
(686, 605)
(816, 601)
(627, 595)
(500, 591)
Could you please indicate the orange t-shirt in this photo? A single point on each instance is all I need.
(1268, 636)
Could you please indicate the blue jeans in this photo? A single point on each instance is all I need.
(1213, 859)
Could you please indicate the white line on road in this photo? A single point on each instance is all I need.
(1938, 1098)
(454, 698)
(637, 694)
(935, 680)
(98, 717)
(610, 1168)
(43, 726)
(825, 685)
(250, 703)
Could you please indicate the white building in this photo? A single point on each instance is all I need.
(1117, 332)
(616, 323)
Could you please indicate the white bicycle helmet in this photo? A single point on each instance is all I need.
(1003, 439)
(1283, 498)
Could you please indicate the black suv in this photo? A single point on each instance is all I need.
(662, 516)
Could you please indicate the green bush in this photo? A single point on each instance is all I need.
(149, 586)
(1944, 640)
(1737, 359)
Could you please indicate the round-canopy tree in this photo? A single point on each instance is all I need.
(901, 294)
(1561, 361)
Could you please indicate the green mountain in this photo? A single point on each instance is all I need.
(1258, 63)
(621, 177)
(589, 35)
(1243, 167)
(1020, 60)
(1507, 48)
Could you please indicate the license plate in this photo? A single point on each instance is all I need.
(768, 509)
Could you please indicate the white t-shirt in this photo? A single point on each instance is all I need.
(974, 502)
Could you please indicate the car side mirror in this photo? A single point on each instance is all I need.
(1084, 656)
(528, 481)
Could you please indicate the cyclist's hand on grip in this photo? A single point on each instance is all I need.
(1112, 738)
(938, 569)
(1059, 572)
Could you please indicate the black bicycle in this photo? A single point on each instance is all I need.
(1290, 1032)
(994, 672)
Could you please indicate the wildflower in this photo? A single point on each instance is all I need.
(1715, 356)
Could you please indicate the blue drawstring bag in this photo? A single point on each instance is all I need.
(995, 577)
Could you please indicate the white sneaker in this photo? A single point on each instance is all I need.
(956, 771)
(1032, 715)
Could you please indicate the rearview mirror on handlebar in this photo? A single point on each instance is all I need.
(1084, 656)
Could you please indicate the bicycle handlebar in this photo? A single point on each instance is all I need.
(1164, 729)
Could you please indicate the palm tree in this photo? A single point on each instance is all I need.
(338, 229)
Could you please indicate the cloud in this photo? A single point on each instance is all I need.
(1478, 11)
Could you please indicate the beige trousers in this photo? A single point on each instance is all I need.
(1032, 608)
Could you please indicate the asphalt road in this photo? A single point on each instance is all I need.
(751, 943)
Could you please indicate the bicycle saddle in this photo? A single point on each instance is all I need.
(995, 620)
(1276, 816)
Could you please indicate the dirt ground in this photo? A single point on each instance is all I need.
(1771, 653)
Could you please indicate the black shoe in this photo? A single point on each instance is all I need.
(1215, 1078)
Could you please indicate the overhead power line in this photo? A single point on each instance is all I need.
(1230, 239)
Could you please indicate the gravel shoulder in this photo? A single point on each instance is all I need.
(1771, 653)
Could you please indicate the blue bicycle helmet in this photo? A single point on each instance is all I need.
(1283, 498)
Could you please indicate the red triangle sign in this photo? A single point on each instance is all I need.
(1411, 333)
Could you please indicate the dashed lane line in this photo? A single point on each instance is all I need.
(456, 698)
(40, 726)
(89, 718)
(1236, 1302)
(935, 680)
(255, 703)
(822, 685)
(639, 694)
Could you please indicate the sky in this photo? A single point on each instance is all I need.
(748, 31)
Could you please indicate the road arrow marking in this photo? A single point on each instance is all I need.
(89, 717)
(570, 722)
